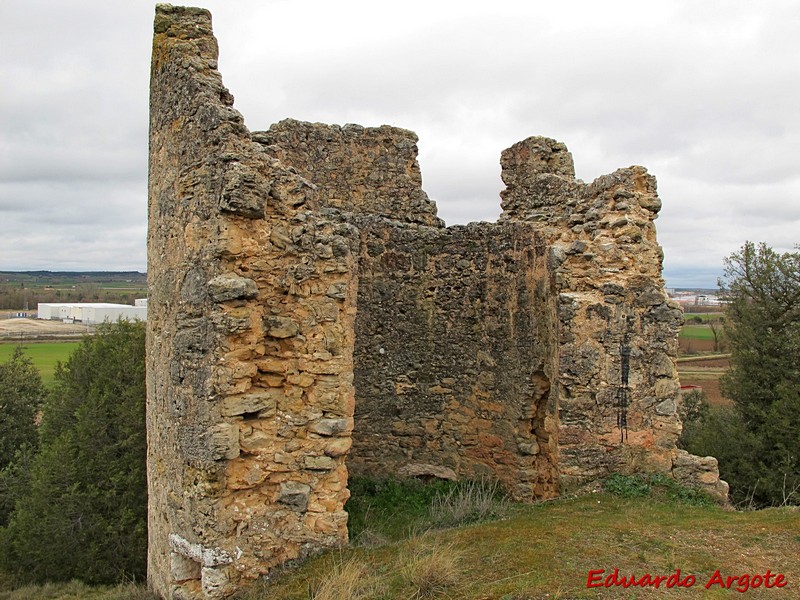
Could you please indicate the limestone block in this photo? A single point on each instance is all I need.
(337, 291)
(183, 569)
(231, 287)
(263, 402)
(294, 495)
(302, 380)
(207, 557)
(699, 471)
(215, 583)
(245, 191)
(662, 366)
(337, 447)
(319, 463)
(225, 440)
(665, 408)
(281, 327)
(667, 388)
(330, 427)
(257, 440)
(427, 471)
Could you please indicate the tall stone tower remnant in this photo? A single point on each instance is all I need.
(310, 313)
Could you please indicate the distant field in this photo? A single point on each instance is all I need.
(44, 356)
(697, 332)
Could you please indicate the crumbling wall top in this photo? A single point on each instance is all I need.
(540, 180)
(361, 170)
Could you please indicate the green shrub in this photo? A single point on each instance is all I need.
(657, 485)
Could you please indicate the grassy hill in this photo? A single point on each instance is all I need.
(548, 550)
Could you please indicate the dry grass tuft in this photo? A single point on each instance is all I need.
(430, 571)
(469, 502)
(350, 580)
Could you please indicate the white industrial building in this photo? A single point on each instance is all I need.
(92, 312)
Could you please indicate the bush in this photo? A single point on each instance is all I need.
(693, 406)
(21, 397)
(722, 433)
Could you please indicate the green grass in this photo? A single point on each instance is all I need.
(697, 332)
(45, 356)
(383, 510)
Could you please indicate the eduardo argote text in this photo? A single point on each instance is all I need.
(741, 583)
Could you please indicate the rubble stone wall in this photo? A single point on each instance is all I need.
(359, 170)
(455, 333)
(455, 351)
(250, 338)
(300, 276)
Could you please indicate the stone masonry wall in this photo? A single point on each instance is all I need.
(455, 334)
(250, 338)
(286, 265)
(455, 351)
(360, 170)
(618, 388)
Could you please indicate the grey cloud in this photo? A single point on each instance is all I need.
(703, 94)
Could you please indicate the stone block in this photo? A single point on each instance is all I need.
(231, 287)
(337, 447)
(319, 463)
(330, 427)
(260, 402)
(225, 440)
(295, 495)
(281, 327)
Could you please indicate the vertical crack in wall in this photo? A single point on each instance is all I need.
(623, 391)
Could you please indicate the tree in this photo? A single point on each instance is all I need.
(21, 396)
(84, 511)
(717, 327)
(762, 327)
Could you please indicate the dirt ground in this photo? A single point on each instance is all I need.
(706, 374)
(16, 330)
(692, 346)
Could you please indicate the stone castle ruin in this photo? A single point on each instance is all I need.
(310, 316)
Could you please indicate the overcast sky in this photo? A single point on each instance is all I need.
(705, 94)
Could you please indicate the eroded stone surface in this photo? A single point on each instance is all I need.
(237, 259)
(309, 308)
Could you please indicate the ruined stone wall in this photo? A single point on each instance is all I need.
(285, 264)
(360, 170)
(250, 338)
(618, 388)
(455, 332)
(455, 349)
